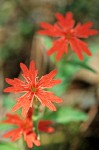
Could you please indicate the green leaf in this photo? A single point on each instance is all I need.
(81, 64)
(8, 146)
(37, 148)
(4, 126)
(66, 115)
(25, 27)
(48, 42)
(8, 101)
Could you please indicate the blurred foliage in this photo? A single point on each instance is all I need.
(65, 115)
(15, 28)
(85, 10)
(8, 146)
(6, 10)
(4, 127)
(66, 70)
(8, 101)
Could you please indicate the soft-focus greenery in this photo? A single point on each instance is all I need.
(66, 115)
(8, 146)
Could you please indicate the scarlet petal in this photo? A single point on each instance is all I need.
(54, 31)
(32, 66)
(79, 46)
(59, 17)
(9, 81)
(62, 50)
(84, 47)
(45, 126)
(46, 103)
(46, 98)
(47, 29)
(69, 22)
(47, 80)
(26, 73)
(32, 139)
(17, 85)
(33, 72)
(46, 25)
(12, 119)
(57, 46)
(76, 47)
(26, 107)
(84, 31)
(9, 89)
(24, 68)
(24, 102)
(55, 82)
(14, 134)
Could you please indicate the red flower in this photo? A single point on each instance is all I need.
(45, 126)
(65, 33)
(33, 88)
(24, 127)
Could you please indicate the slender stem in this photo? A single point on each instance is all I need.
(36, 116)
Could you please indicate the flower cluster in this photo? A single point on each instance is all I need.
(34, 91)
(26, 128)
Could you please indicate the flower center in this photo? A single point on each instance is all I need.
(33, 89)
(27, 124)
(68, 35)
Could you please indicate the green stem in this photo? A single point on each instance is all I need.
(35, 116)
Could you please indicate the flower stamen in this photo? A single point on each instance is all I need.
(33, 89)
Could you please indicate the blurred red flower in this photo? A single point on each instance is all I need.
(24, 127)
(33, 89)
(45, 126)
(66, 34)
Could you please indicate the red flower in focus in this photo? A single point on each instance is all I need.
(45, 126)
(24, 127)
(66, 34)
(33, 88)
